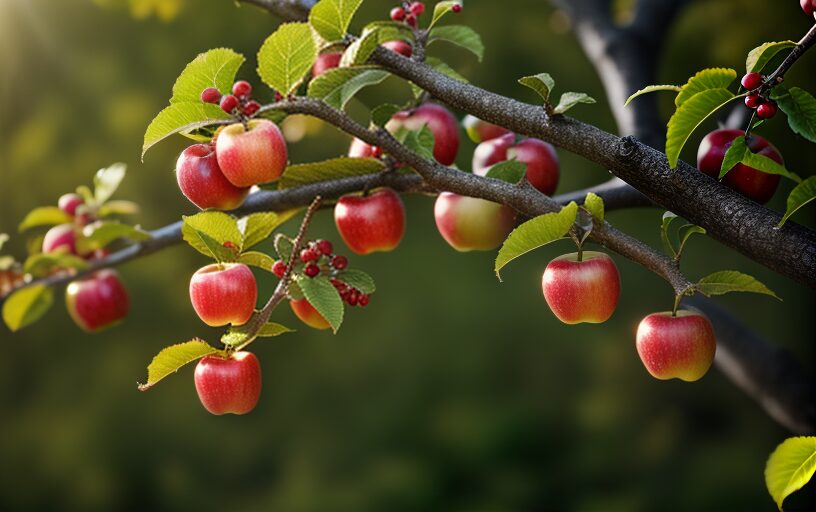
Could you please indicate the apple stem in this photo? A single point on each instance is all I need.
(677, 299)
(580, 252)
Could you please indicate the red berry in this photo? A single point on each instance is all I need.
(307, 255)
(229, 103)
(767, 110)
(363, 297)
(411, 20)
(417, 8)
(324, 246)
(251, 108)
(376, 152)
(242, 88)
(397, 14)
(456, 8)
(809, 6)
(339, 285)
(278, 96)
(353, 298)
(751, 81)
(279, 268)
(311, 270)
(753, 101)
(211, 95)
(339, 262)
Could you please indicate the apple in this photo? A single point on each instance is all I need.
(752, 183)
(230, 385)
(582, 291)
(360, 149)
(539, 156)
(372, 223)
(308, 314)
(98, 301)
(399, 46)
(326, 62)
(480, 131)
(69, 203)
(61, 237)
(809, 6)
(680, 346)
(472, 224)
(441, 123)
(224, 293)
(253, 156)
(202, 182)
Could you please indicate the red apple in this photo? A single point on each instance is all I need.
(61, 237)
(441, 123)
(202, 182)
(480, 131)
(360, 149)
(681, 346)
(69, 203)
(251, 157)
(308, 314)
(371, 223)
(399, 46)
(98, 301)
(809, 6)
(224, 294)
(752, 183)
(229, 385)
(539, 156)
(326, 62)
(472, 224)
(582, 291)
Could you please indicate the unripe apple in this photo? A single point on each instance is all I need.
(202, 182)
(399, 46)
(69, 203)
(326, 62)
(251, 157)
(439, 120)
(681, 346)
(229, 385)
(98, 301)
(224, 293)
(372, 223)
(59, 237)
(539, 156)
(752, 183)
(472, 224)
(308, 314)
(480, 131)
(582, 291)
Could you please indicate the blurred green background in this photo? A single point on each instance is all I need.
(450, 391)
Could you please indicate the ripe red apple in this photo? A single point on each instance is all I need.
(308, 314)
(229, 385)
(472, 224)
(809, 6)
(399, 46)
(326, 62)
(224, 294)
(539, 156)
(372, 223)
(251, 157)
(59, 237)
(582, 291)
(98, 301)
(681, 346)
(480, 131)
(202, 182)
(752, 183)
(69, 203)
(360, 149)
(439, 120)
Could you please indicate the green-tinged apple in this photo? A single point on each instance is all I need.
(439, 120)
(582, 291)
(326, 62)
(480, 131)
(472, 224)
(681, 346)
(308, 314)
(61, 237)
(202, 182)
(229, 385)
(539, 156)
(98, 301)
(371, 223)
(224, 293)
(251, 157)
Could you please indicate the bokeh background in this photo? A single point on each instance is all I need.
(450, 391)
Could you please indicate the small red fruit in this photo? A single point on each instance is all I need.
(809, 6)
(681, 346)
(411, 20)
(582, 291)
(307, 255)
(69, 203)
(229, 103)
(324, 246)
(397, 14)
(308, 314)
(752, 101)
(456, 8)
(242, 89)
(363, 301)
(202, 182)
(417, 8)
(211, 95)
(326, 62)
(62, 237)
(224, 294)
(311, 270)
(371, 223)
(229, 385)
(279, 268)
(339, 262)
(751, 81)
(251, 108)
(98, 301)
(399, 46)
(767, 110)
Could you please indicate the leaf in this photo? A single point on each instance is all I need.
(182, 117)
(536, 233)
(733, 155)
(42, 265)
(790, 467)
(541, 83)
(283, 246)
(727, 281)
(653, 88)
(760, 56)
(257, 259)
(420, 142)
(441, 9)
(170, 359)
(257, 227)
(99, 234)
(338, 85)
(286, 56)
(712, 78)
(214, 68)
(511, 171)
(460, 35)
(689, 116)
(334, 169)
(4, 238)
(107, 180)
(595, 206)
(357, 279)
(570, 99)
(118, 208)
(272, 329)
(331, 18)
(390, 30)
(801, 195)
(360, 50)
(323, 296)
(668, 218)
(765, 164)
(25, 306)
(207, 232)
(800, 107)
(44, 216)
(688, 231)
(383, 113)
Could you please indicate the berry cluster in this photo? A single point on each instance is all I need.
(758, 100)
(317, 257)
(240, 102)
(350, 295)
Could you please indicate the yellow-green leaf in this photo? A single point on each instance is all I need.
(801, 195)
(286, 56)
(323, 296)
(790, 467)
(331, 18)
(27, 305)
(653, 88)
(759, 57)
(170, 359)
(334, 169)
(727, 281)
(182, 117)
(689, 116)
(712, 78)
(595, 205)
(214, 68)
(44, 216)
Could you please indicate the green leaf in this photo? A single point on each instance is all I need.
(653, 88)
(42, 265)
(334, 169)
(420, 142)
(258, 226)
(765, 164)
(323, 296)
(207, 232)
(214, 68)
(689, 116)
(727, 281)
(441, 9)
(383, 113)
(99, 234)
(536, 233)
(390, 30)
(331, 18)
(801, 195)
(170, 359)
(107, 180)
(712, 78)
(358, 279)
(44, 216)
(668, 218)
(360, 50)
(272, 329)
(687, 231)
(25, 306)
(800, 107)
(595, 206)
(760, 56)
(118, 208)
(257, 259)
(570, 99)
(511, 171)
(286, 56)
(182, 117)
(790, 467)
(733, 155)
(541, 83)
(460, 35)
(283, 246)
(338, 85)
